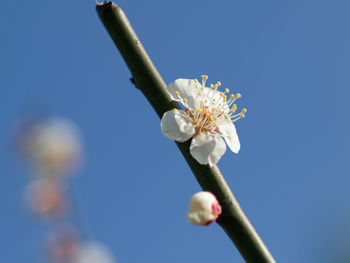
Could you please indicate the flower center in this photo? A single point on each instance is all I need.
(211, 107)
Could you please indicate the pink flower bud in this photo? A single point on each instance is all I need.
(46, 197)
(63, 244)
(204, 209)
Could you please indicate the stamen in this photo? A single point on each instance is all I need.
(204, 79)
(234, 120)
(211, 107)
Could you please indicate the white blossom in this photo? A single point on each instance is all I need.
(92, 252)
(53, 145)
(204, 209)
(208, 117)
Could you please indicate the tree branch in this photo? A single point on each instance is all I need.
(148, 80)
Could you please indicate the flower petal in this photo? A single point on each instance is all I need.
(186, 88)
(177, 126)
(207, 148)
(228, 130)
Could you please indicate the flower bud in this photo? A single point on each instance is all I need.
(63, 244)
(204, 209)
(46, 197)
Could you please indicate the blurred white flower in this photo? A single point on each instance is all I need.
(209, 115)
(92, 252)
(204, 208)
(53, 145)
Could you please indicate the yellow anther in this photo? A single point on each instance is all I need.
(200, 133)
(244, 110)
(215, 118)
(242, 115)
(174, 109)
(233, 110)
(216, 86)
(202, 88)
(226, 117)
(202, 102)
(185, 100)
(205, 77)
(212, 85)
(232, 96)
(197, 108)
(227, 90)
(238, 95)
(199, 94)
(219, 83)
(234, 107)
(177, 93)
(229, 137)
(195, 80)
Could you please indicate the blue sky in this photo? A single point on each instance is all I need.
(288, 59)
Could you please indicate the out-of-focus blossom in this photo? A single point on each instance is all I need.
(92, 252)
(63, 244)
(204, 208)
(52, 145)
(208, 117)
(45, 196)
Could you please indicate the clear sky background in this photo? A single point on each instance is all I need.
(290, 60)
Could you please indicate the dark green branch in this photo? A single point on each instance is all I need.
(148, 79)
